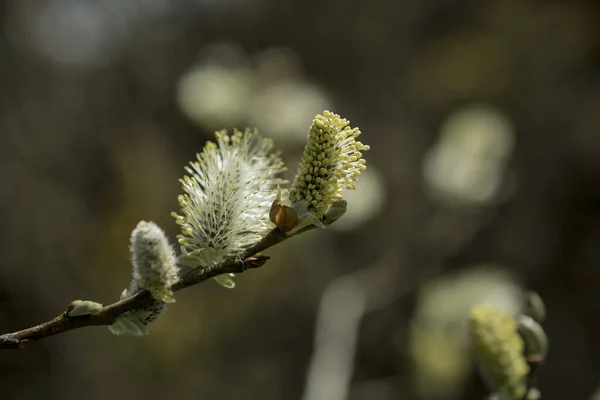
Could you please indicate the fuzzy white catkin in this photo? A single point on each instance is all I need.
(154, 261)
(228, 194)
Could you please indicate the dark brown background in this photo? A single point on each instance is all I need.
(92, 140)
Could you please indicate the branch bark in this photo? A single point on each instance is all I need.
(107, 315)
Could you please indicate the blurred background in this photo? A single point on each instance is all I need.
(483, 179)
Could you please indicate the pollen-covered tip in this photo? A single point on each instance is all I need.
(282, 216)
(154, 262)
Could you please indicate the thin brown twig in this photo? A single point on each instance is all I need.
(107, 315)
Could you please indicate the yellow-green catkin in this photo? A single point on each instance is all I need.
(332, 161)
(498, 351)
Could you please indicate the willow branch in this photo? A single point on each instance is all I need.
(107, 315)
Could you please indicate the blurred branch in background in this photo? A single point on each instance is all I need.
(344, 303)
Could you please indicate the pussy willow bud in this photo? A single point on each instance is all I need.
(282, 216)
(154, 262)
(83, 307)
